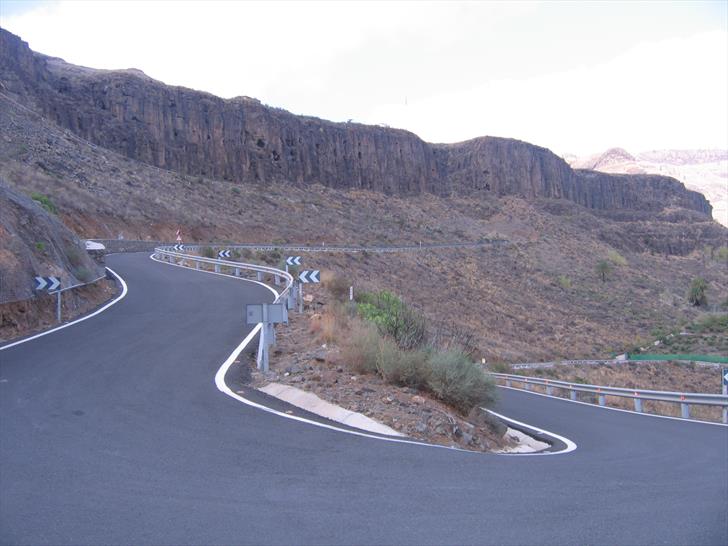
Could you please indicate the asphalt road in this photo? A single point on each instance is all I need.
(112, 432)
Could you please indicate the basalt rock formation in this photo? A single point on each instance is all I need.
(242, 140)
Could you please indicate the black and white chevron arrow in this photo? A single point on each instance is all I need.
(47, 283)
(223, 254)
(309, 276)
(293, 260)
(179, 247)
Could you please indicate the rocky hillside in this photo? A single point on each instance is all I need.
(242, 140)
(705, 171)
(35, 242)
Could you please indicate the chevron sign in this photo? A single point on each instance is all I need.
(293, 260)
(179, 247)
(223, 254)
(47, 283)
(309, 276)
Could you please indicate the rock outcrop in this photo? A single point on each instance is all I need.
(243, 140)
(35, 242)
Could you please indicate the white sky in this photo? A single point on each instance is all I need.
(574, 77)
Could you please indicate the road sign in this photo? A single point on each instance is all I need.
(309, 276)
(293, 260)
(47, 283)
(179, 247)
(255, 313)
(724, 373)
(223, 254)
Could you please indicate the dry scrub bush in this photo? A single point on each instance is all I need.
(362, 348)
(337, 285)
(458, 381)
(403, 368)
(326, 327)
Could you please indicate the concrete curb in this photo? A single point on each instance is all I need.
(312, 403)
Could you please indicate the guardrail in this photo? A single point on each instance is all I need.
(287, 295)
(129, 245)
(685, 399)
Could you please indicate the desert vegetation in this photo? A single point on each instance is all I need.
(380, 334)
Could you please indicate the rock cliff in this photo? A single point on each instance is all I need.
(245, 141)
(35, 242)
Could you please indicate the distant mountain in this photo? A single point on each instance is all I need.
(705, 171)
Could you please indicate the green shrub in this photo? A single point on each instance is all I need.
(616, 258)
(40, 246)
(75, 256)
(712, 323)
(458, 381)
(604, 268)
(696, 293)
(83, 274)
(45, 202)
(393, 318)
(207, 252)
(403, 368)
(564, 282)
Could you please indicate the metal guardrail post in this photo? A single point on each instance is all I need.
(58, 307)
(217, 268)
(197, 265)
(260, 276)
(638, 396)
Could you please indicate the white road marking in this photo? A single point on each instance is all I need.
(223, 387)
(644, 414)
(104, 308)
(570, 446)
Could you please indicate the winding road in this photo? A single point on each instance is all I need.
(112, 431)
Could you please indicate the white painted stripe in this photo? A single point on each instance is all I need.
(104, 308)
(223, 387)
(570, 446)
(643, 414)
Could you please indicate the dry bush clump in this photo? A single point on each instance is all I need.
(337, 285)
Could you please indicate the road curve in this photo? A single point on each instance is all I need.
(113, 431)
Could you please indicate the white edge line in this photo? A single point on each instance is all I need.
(124, 290)
(223, 387)
(643, 414)
(570, 446)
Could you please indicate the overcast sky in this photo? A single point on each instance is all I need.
(574, 77)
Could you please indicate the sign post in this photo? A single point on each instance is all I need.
(306, 277)
(724, 375)
(51, 285)
(268, 315)
(292, 260)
